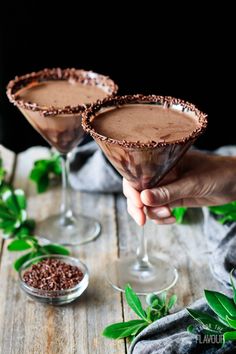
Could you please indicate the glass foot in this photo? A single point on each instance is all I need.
(73, 231)
(157, 277)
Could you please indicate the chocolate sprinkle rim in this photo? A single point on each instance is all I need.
(70, 74)
(165, 101)
(46, 293)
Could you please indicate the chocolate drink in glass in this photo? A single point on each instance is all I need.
(143, 137)
(52, 100)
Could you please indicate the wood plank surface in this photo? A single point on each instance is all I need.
(30, 327)
(27, 327)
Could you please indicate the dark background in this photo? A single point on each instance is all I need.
(168, 51)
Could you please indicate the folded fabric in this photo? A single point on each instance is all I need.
(91, 171)
(221, 247)
(169, 336)
(221, 238)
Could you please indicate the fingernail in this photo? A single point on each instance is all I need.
(163, 213)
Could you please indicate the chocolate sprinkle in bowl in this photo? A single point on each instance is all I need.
(54, 279)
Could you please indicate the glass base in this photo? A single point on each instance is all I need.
(72, 231)
(158, 276)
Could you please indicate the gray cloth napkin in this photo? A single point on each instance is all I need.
(92, 172)
(221, 238)
(169, 336)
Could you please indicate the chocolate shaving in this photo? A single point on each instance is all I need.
(52, 274)
(166, 101)
(70, 74)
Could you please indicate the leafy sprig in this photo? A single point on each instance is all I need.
(179, 214)
(3, 184)
(158, 307)
(31, 243)
(13, 214)
(224, 320)
(2, 172)
(15, 224)
(44, 170)
(225, 213)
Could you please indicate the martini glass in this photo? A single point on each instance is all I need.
(143, 164)
(60, 125)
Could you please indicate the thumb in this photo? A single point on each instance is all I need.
(166, 194)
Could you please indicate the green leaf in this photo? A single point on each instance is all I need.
(231, 321)
(149, 314)
(130, 338)
(20, 261)
(10, 201)
(229, 336)
(157, 304)
(172, 301)
(191, 329)
(2, 172)
(221, 304)
(56, 165)
(233, 285)
(5, 212)
(22, 232)
(179, 214)
(42, 184)
(19, 245)
(56, 249)
(37, 173)
(124, 329)
(37, 253)
(162, 296)
(42, 170)
(223, 209)
(43, 250)
(208, 321)
(20, 198)
(22, 215)
(227, 218)
(4, 187)
(150, 298)
(227, 211)
(7, 226)
(29, 224)
(134, 302)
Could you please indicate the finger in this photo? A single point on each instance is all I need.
(132, 194)
(166, 221)
(169, 193)
(190, 202)
(158, 212)
(137, 213)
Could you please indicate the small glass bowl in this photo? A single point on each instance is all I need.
(55, 297)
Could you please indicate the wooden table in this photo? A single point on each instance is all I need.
(33, 328)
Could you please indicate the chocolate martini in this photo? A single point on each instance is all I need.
(53, 100)
(145, 123)
(143, 137)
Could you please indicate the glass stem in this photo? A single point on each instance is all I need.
(141, 254)
(66, 204)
